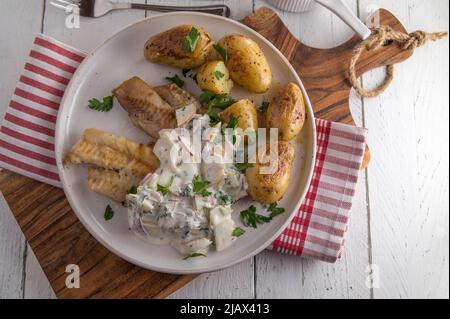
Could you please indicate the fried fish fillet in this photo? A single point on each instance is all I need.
(176, 97)
(110, 183)
(112, 152)
(146, 109)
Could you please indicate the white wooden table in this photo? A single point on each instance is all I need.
(400, 217)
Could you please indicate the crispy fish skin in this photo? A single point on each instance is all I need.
(112, 152)
(175, 96)
(110, 183)
(146, 109)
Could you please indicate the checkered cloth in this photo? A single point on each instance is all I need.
(27, 137)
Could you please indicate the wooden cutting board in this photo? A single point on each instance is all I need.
(59, 239)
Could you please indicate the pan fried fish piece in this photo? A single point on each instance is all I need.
(112, 152)
(110, 183)
(146, 109)
(176, 97)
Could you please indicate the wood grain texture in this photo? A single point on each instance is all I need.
(409, 174)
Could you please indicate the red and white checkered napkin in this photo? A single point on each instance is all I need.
(27, 147)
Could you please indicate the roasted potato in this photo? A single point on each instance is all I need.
(214, 76)
(246, 63)
(244, 111)
(169, 47)
(270, 188)
(287, 112)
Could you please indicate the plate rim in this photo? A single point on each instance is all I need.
(71, 88)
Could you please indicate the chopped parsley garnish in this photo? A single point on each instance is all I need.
(238, 231)
(223, 197)
(200, 186)
(232, 123)
(164, 190)
(194, 255)
(243, 166)
(223, 53)
(206, 97)
(190, 41)
(251, 219)
(176, 79)
(221, 101)
(274, 210)
(185, 72)
(109, 213)
(264, 106)
(212, 101)
(103, 106)
(132, 190)
(218, 75)
(213, 117)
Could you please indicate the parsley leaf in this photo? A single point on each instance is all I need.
(175, 79)
(218, 74)
(194, 255)
(274, 210)
(251, 219)
(190, 41)
(232, 123)
(221, 101)
(238, 231)
(206, 97)
(264, 106)
(223, 53)
(103, 106)
(132, 190)
(109, 213)
(200, 186)
(243, 166)
(223, 197)
(164, 189)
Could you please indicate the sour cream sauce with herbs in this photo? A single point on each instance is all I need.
(188, 203)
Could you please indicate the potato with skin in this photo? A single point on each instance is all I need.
(246, 63)
(169, 48)
(214, 77)
(244, 111)
(287, 112)
(270, 188)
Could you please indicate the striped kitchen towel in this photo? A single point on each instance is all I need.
(27, 147)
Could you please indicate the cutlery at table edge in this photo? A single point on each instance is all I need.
(98, 8)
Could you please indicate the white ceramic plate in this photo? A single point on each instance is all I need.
(121, 57)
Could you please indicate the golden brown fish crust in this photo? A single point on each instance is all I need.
(112, 152)
(110, 183)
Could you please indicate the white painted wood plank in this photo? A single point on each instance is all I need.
(280, 276)
(92, 32)
(20, 21)
(36, 283)
(12, 249)
(408, 176)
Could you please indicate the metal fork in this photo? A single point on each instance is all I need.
(98, 8)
